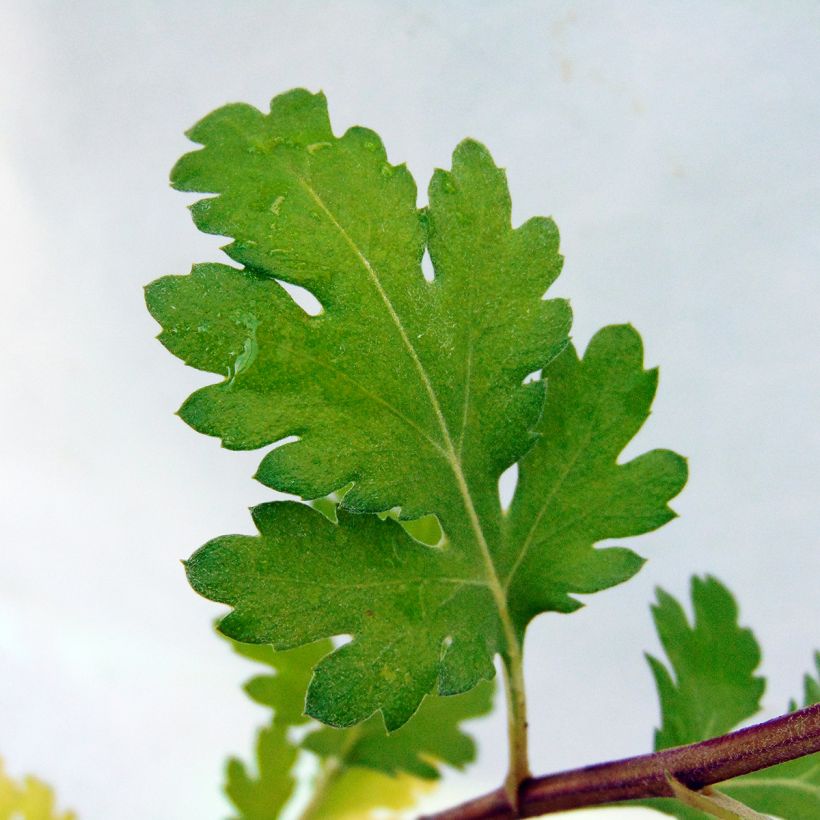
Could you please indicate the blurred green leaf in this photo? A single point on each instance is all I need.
(361, 794)
(263, 795)
(432, 736)
(362, 768)
(283, 691)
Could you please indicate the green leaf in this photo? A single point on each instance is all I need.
(362, 794)
(711, 688)
(412, 395)
(395, 370)
(284, 692)
(811, 687)
(434, 735)
(304, 577)
(403, 601)
(790, 790)
(572, 492)
(263, 796)
(396, 763)
(351, 793)
(28, 799)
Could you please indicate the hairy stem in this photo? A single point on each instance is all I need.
(519, 768)
(697, 766)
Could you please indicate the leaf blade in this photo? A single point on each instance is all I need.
(710, 687)
(363, 768)
(712, 661)
(394, 371)
(300, 561)
(572, 493)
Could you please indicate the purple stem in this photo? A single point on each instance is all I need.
(696, 766)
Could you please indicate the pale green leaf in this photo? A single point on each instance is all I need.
(284, 691)
(263, 794)
(365, 794)
(434, 735)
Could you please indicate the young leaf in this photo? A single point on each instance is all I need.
(711, 688)
(411, 392)
(29, 799)
(262, 797)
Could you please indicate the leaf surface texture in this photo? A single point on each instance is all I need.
(411, 395)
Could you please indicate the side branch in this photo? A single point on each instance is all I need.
(697, 766)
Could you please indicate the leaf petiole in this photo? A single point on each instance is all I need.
(519, 767)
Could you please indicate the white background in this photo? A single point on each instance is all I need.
(676, 146)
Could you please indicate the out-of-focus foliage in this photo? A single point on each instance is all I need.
(28, 798)
(361, 769)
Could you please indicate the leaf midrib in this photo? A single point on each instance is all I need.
(493, 580)
(287, 580)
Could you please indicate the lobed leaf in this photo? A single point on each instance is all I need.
(573, 493)
(711, 688)
(395, 369)
(284, 691)
(433, 736)
(409, 394)
(304, 578)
